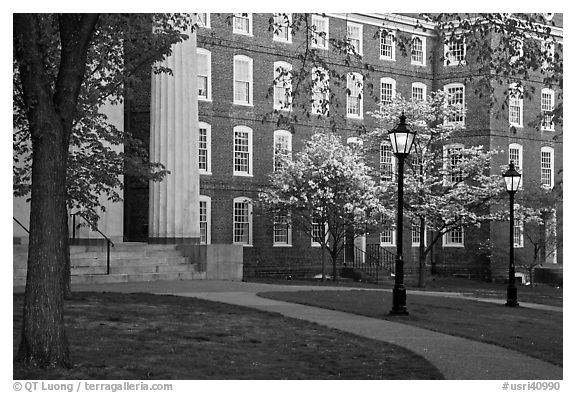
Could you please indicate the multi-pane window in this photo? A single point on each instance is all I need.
(282, 30)
(320, 91)
(455, 52)
(547, 167)
(518, 230)
(515, 156)
(516, 50)
(387, 90)
(317, 232)
(547, 106)
(387, 47)
(386, 162)
(418, 50)
(204, 77)
(387, 237)
(204, 148)
(282, 230)
(452, 162)
(242, 80)
(415, 232)
(354, 98)
(242, 151)
(242, 23)
(282, 85)
(320, 32)
(454, 237)
(203, 20)
(354, 36)
(418, 91)
(242, 221)
(548, 53)
(455, 99)
(515, 105)
(282, 148)
(205, 219)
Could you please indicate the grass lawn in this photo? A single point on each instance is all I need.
(533, 332)
(143, 336)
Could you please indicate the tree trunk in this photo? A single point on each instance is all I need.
(44, 342)
(67, 290)
(323, 264)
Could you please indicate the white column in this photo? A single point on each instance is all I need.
(174, 202)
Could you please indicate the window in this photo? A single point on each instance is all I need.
(354, 36)
(282, 30)
(320, 91)
(455, 51)
(205, 213)
(547, 106)
(242, 151)
(418, 91)
(204, 148)
(282, 85)
(454, 238)
(515, 156)
(455, 99)
(317, 232)
(282, 230)
(320, 32)
(515, 105)
(354, 98)
(516, 50)
(242, 227)
(387, 90)
(452, 161)
(415, 229)
(203, 20)
(242, 80)
(282, 147)
(242, 24)
(388, 237)
(548, 53)
(204, 74)
(518, 230)
(387, 162)
(387, 47)
(418, 50)
(547, 167)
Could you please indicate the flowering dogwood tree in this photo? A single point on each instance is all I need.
(327, 190)
(447, 186)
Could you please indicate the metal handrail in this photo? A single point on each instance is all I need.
(372, 260)
(23, 227)
(108, 241)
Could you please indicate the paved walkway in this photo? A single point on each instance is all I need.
(455, 357)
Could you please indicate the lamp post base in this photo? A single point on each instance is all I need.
(399, 302)
(512, 298)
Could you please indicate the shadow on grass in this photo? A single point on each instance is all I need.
(143, 336)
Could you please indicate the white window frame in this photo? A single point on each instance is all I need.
(414, 225)
(248, 17)
(353, 79)
(317, 244)
(199, 22)
(359, 50)
(457, 86)
(278, 134)
(447, 241)
(208, 128)
(515, 102)
(281, 24)
(517, 45)
(518, 164)
(288, 224)
(383, 37)
(449, 59)
(549, 48)
(317, 87)
(547, 149)
(422, 86)
(448, 179)
(518, 228)
(250, 171)
(387, 81)
(286, 88)
(315, 43)
(250, 80)
(208, 201)
(423, 62)
(208, 54)
(382, 163)
(392, 243)
(248, 202)
(545, 125)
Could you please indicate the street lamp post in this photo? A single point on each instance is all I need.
(512, 180)
(402, 140)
